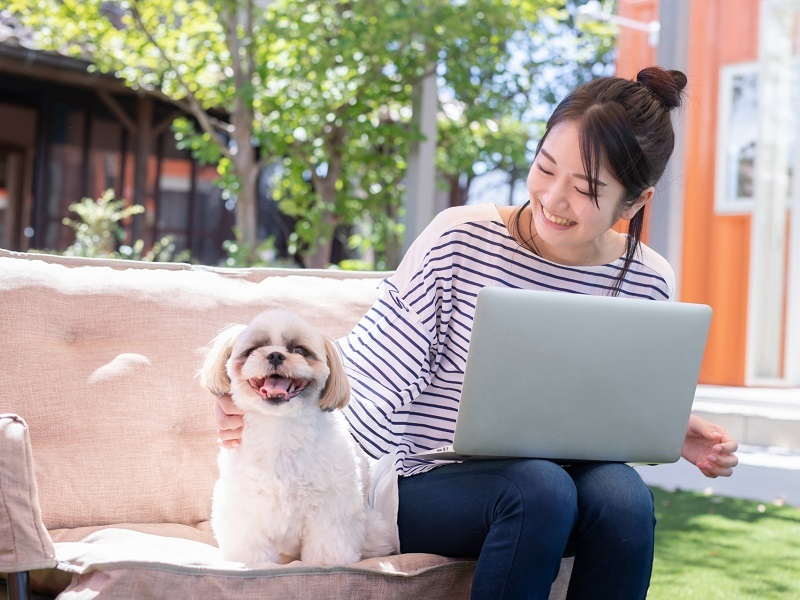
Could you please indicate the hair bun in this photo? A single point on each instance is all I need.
(667, 85)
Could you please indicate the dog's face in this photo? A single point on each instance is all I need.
(280, 365)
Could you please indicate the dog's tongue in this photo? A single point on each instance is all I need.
(275, 386)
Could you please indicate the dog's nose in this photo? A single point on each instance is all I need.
(275, 358)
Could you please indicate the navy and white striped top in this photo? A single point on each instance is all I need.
(405, 358)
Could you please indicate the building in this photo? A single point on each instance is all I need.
(66, 133)
(728, 212)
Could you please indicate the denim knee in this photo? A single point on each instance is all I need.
(537, 488)
(615, 502)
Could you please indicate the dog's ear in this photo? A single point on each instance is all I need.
(337, 389)
(214, 374)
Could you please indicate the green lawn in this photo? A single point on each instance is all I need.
(715, 548)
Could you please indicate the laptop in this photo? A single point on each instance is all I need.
(575, 378)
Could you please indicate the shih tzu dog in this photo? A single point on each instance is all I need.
(296, 486)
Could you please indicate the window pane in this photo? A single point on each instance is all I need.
(64, 170)
(105, 158)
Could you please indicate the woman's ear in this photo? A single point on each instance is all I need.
(336, 393)
(644, 198)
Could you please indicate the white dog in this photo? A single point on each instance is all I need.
(296, 486)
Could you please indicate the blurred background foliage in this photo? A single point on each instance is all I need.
(320, 93)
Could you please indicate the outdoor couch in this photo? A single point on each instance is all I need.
(108, 443)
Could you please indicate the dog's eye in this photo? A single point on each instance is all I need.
(300, 350)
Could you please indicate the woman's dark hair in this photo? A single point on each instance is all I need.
(625, 125)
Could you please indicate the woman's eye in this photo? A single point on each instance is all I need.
(542, 169)
(300, 350)
(582, 192)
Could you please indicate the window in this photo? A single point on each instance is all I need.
(737, 133)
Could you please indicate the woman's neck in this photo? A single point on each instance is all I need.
(599, 252)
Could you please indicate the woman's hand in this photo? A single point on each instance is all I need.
(709, 448)
(230, 422)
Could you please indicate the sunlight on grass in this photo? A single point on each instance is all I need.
(718, 548)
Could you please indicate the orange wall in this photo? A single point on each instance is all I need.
(716, 249)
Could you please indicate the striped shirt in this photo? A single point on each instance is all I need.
(405, 358)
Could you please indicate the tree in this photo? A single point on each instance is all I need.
(320, 87)
(495, 114)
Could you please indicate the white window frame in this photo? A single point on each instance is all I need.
(773, 342)
(733, 128)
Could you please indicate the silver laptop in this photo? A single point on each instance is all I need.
(572, 378)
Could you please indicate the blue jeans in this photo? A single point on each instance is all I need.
(519, 517)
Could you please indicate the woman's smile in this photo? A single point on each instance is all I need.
(556, 220)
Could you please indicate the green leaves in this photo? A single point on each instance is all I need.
(323, 89)
(99, 232)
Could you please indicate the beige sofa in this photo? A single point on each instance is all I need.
(107, 442)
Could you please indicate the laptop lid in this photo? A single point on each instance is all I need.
(574, 377)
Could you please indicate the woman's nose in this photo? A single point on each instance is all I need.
(556, 193)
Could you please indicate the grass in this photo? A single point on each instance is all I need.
(718, 548)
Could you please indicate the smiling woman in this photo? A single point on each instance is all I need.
(625, 136)
(603, 150)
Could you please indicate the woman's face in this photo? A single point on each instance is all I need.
(569, 227)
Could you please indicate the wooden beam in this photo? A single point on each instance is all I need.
(79, 78)
(118, 111)
(162, 125)
(62, 76)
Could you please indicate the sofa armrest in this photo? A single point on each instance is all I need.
(25, 544)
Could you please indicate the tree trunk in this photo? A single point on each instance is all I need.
(244, 160)
(320, 257)
(454, 197)
(247, 209)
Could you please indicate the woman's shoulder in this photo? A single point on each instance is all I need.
(659, 266)
(455, 219)
(455, 216)
(441, 233)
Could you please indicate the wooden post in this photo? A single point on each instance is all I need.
(142, 194)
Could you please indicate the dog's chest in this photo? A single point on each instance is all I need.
(285, 470)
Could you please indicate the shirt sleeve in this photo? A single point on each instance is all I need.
(392, 351)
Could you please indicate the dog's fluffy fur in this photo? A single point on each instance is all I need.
(296, 486)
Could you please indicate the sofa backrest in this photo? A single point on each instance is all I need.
(101, 356)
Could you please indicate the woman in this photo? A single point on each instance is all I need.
(604, 148)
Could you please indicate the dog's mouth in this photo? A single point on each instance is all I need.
(276, 389)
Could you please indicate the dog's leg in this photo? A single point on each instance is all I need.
(240, 527)
(333, 537)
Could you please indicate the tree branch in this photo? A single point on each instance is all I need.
(194, 106)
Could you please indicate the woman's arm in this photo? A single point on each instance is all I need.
(709, 448)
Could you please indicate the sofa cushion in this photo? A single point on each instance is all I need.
(100, 357)
(122, 564)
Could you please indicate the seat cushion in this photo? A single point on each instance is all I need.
(125, 564)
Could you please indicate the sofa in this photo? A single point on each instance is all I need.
(108, 443)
